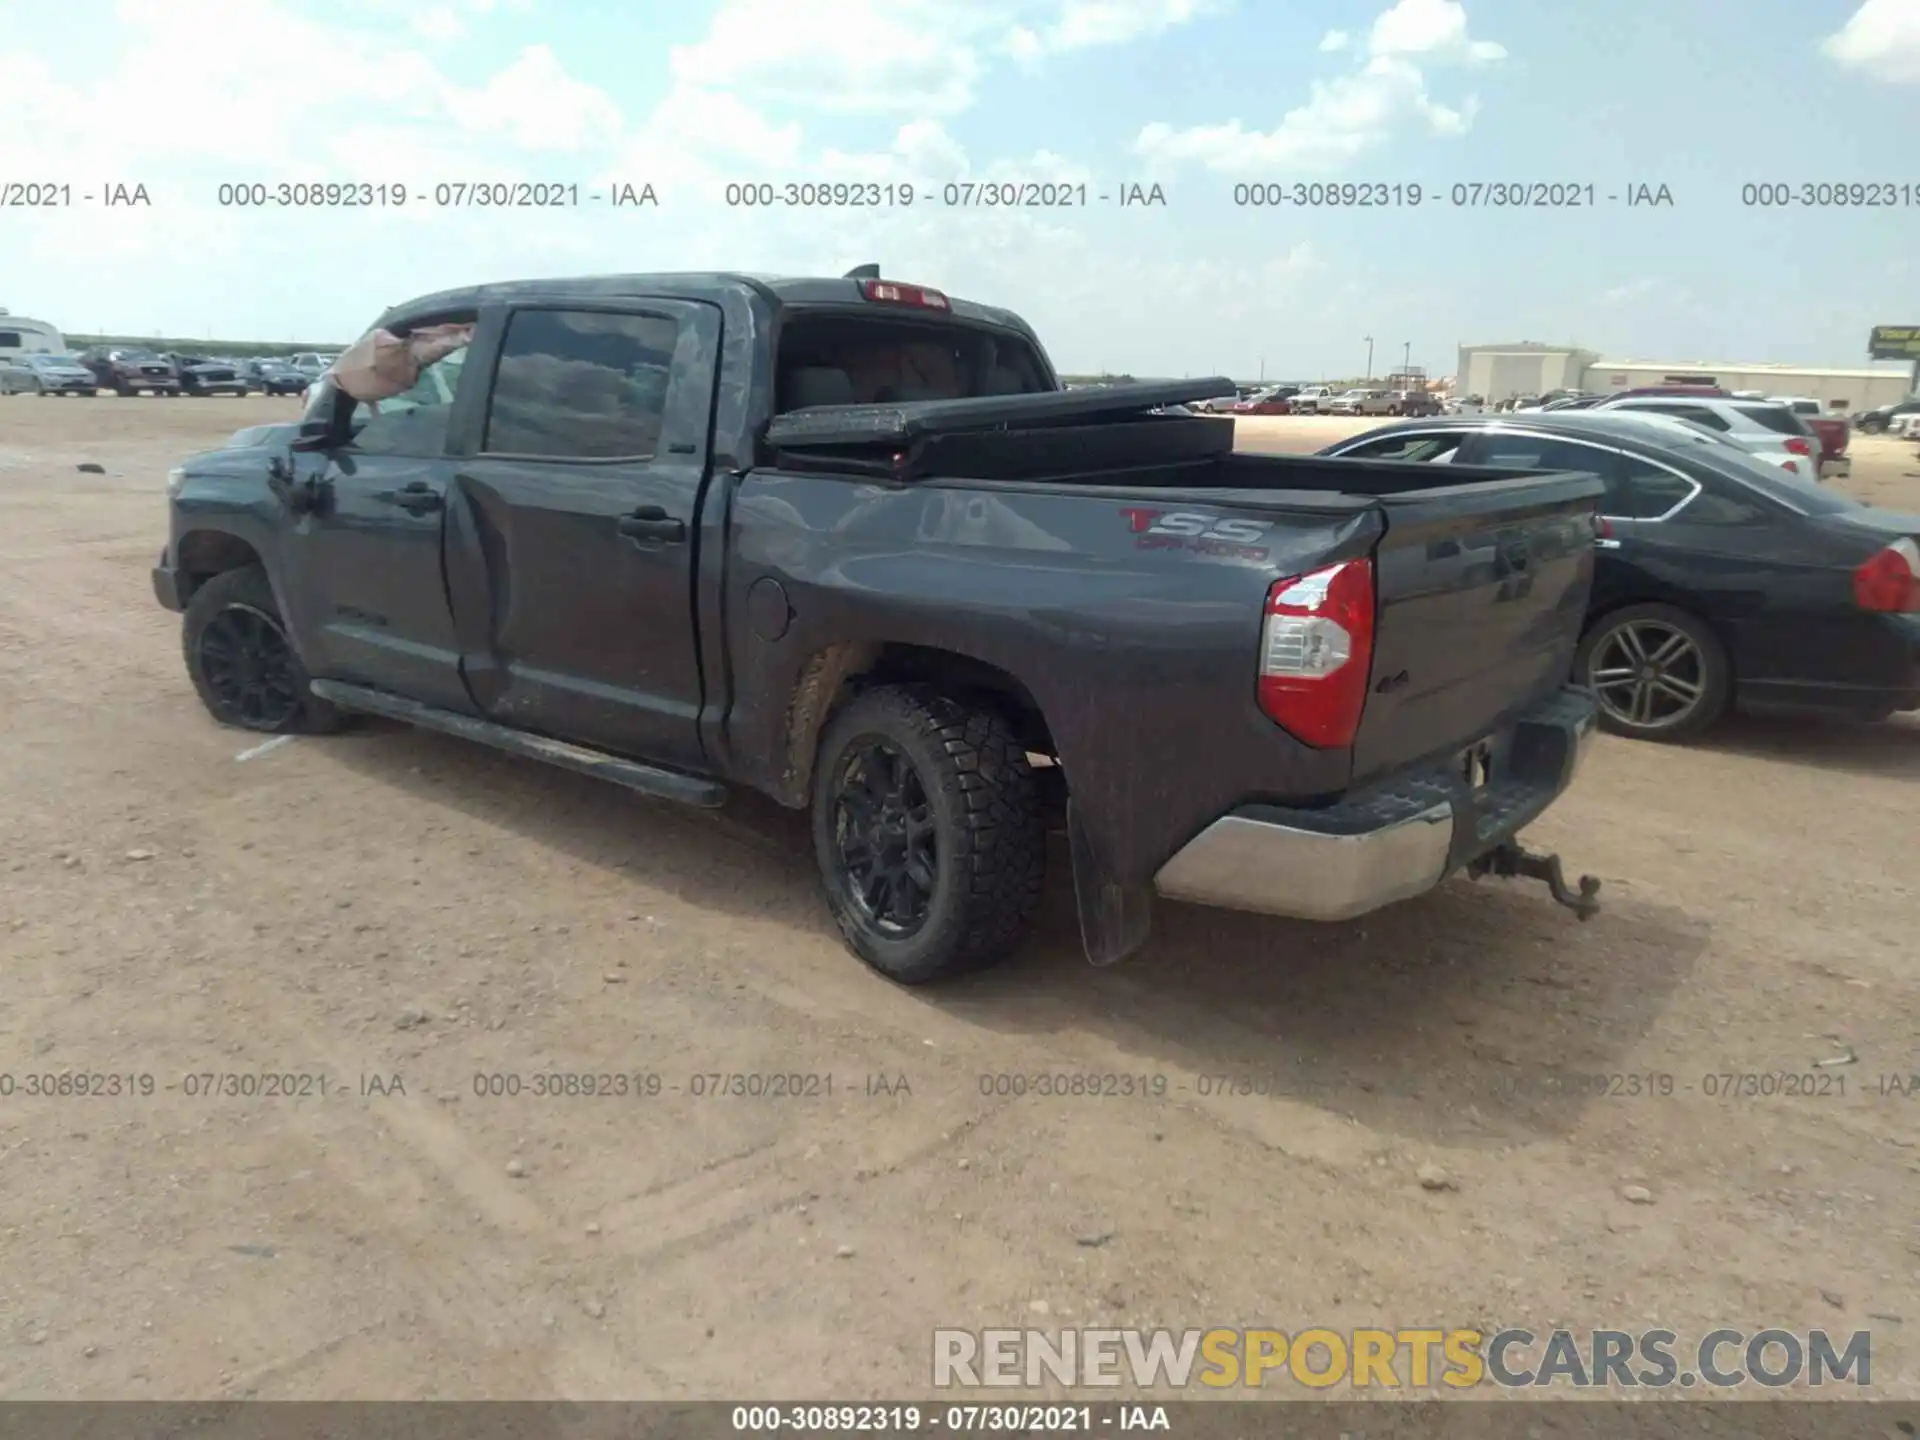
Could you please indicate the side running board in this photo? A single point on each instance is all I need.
(632, 774)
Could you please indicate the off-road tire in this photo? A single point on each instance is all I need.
(249, 587)
(989, 831)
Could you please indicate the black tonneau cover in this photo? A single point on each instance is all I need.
(841, 426)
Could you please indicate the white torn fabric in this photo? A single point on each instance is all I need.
(381, 364)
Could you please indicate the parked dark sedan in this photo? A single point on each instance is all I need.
(273, 377)
(1720, 580)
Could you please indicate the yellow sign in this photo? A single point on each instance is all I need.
(1894, 342)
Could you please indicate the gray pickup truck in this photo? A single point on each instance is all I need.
(849, 543)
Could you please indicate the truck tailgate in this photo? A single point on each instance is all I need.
(1481, 592)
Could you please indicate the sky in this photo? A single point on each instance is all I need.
(936, 97)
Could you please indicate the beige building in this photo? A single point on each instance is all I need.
(1522, 367)
(1851, 390)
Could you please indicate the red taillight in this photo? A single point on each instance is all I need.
(1797, 445)
(1602, 528)
(892, 292)
(1790, 467)
(1890, 581)
(1316, 651)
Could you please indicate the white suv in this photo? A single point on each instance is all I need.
(1765, 430)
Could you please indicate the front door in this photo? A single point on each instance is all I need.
(583, 500)
(367, 592)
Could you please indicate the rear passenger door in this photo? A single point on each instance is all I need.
(576, 535)
(1643, 556)
(1535, 450)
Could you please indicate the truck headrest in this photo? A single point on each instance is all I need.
(810, 385)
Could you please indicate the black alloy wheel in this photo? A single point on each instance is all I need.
(1656, 672)
(928, 832)
(242, 663)
(883, 826)
(249, 667)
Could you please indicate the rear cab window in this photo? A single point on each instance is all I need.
(848, 355)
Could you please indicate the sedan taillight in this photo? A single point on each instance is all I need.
(1889, 582)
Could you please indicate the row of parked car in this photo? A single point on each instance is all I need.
(1323, 400)
(1899, 418)
(134, 370)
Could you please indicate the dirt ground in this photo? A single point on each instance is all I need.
(393, 907)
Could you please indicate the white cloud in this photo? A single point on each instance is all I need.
(922, 151)
(1084, 24)
(1345, 118)
(442, 22)
(392, 109)
(1881, 39)
(1435, 29)
(536, 104)
(1342, 120)
(842, 56)
(1334, 41)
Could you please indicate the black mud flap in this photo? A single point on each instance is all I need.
(1114, 918)
(1511, 859)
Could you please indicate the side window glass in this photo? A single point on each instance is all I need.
(1543, 452)
(1646, 491)
(576, 385)
(1701, 416)
(412, 423)
(1407, 447)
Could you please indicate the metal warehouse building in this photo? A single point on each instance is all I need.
(1500, 372)
(1849, 390)
(1526, 367)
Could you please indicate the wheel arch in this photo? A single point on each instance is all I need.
(204, 553)
(836, 673)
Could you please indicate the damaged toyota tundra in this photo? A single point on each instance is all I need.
(851, 543)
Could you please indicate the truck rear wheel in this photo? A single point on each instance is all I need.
(241, 662)
(928, 830)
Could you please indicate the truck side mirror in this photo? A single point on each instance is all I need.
(312, 435)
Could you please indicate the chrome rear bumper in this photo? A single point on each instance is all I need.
(1390, 843)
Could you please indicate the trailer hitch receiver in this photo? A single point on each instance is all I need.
(1509, 858)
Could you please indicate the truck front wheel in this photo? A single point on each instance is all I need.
(241, 663)
(928, 829)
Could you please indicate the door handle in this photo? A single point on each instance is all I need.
(651, 522)
(417, 498)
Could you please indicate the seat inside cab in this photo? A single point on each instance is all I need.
(881, 360)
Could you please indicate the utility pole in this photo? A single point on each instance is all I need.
(1406, 357)
(1263, 369)
(1369, 340)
